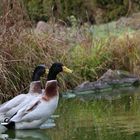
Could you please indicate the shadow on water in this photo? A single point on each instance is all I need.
(101, 116)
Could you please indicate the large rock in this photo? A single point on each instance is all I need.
(111, 79)
(132, 21)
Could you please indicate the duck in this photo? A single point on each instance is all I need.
(9, 108)
(40, 109)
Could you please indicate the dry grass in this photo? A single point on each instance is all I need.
(21, 49)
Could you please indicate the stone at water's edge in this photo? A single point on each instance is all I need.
(110, 80)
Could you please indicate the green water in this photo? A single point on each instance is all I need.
(106, 116)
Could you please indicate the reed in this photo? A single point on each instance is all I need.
(21, 49)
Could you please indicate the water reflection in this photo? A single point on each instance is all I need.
(25, 135)
(106, 116)
(38, 134)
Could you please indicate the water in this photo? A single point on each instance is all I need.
(106, 116)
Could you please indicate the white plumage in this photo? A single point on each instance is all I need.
(9, 108)
(39, 110)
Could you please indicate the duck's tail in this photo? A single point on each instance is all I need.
(9, 125)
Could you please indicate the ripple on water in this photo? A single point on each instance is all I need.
(112, 116)
(48, 124)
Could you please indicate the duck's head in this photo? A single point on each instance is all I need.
(55, 69)
(39, 71)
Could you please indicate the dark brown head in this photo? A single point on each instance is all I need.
(51, 88)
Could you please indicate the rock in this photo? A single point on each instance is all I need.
(111, 79)
(132, 21)
(43, 27)
(83, 85)
(115, 74)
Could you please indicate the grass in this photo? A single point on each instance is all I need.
(78, 48)
(110, 29)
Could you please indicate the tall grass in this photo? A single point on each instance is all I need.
(89, 58)
(21, 49)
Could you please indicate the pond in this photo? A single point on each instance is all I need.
(100, 116)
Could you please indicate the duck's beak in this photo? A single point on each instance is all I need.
(46, 71)
(65, 69)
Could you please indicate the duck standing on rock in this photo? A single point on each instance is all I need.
(40, 109)
(9, 108)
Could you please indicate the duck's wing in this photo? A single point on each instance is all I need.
(12, 103)
(25, 110)
(33, 106)
(24, 103)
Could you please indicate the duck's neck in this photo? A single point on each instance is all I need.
(51, 76)
(51, 89)
(35, 77)
(35, 87)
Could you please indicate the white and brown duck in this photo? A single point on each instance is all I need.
(40, 109)
(9, 108)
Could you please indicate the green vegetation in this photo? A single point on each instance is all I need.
(88, 10)
(93, 11)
